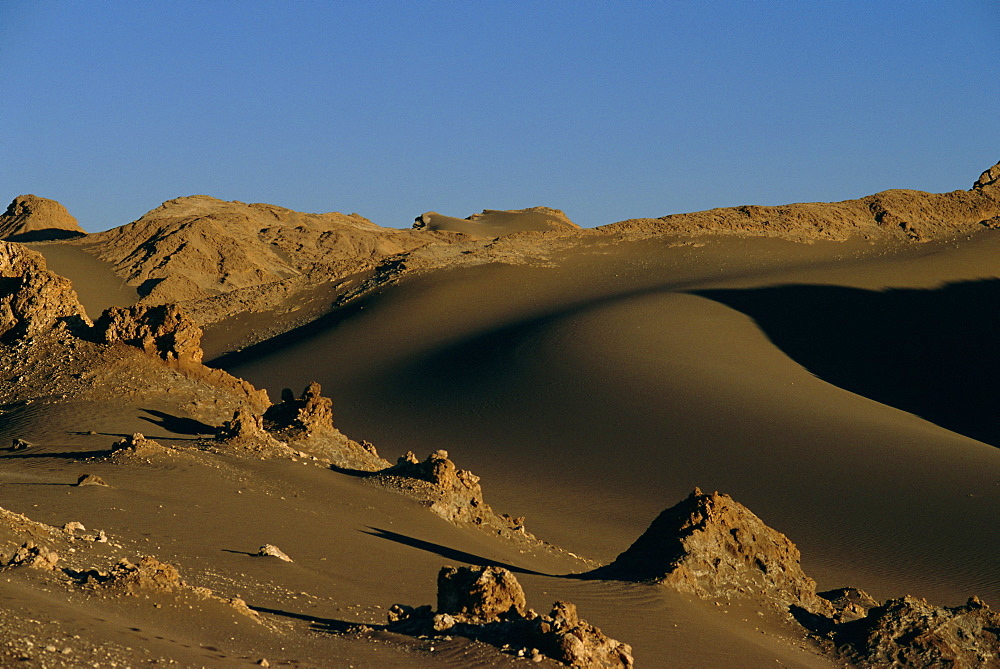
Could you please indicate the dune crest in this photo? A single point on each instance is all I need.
(493, 223)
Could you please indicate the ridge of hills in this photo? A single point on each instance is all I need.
(221, 258)
(229, 471)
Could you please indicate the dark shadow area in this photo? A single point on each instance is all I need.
(147, 286)
(319, 624)
(227, 550)
(46, 235)
(450, 553)
(331, 319)
(929, 352)
(178, 424)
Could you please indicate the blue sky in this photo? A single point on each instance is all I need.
(607, 110)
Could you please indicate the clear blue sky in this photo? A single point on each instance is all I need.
(607, 110)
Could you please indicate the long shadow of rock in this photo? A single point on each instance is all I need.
(448, 553)
(177, 424)
(929, 352)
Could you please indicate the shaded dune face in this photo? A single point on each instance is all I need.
(927, 352)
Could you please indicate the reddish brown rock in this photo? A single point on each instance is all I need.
(711, 546)
(33, 300)
(479, 593)
(30, 218)
(909, 632)
(487, 604)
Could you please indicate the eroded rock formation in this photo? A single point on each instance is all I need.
(34, 300)
(306, 424)
(450, 492)
(909, 632)
(30, 218)
(714, 547)
(163, 330)
(487, 604)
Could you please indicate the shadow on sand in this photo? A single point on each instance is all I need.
(450, 553)
(929, 352)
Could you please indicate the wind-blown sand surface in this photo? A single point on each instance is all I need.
(842, 390)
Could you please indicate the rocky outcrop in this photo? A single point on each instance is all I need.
(909, 632)
(246, 431)
(713, 547)
(34, 300)
(849, 603)
(306, 424)
(164, 331)
(450, 492)
(311, 412)
(487, 604)
(30, 218)
(893, 214)
(989, 178)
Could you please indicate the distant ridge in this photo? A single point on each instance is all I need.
(900, 214)
(30, 218)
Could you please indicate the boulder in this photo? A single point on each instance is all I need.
(487, 604)
(479, 593)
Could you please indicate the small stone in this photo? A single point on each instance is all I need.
(91, 479)
(74, 526)
(20, 445)
(270, 550)
(262, 662)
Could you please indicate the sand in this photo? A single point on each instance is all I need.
(842, 390)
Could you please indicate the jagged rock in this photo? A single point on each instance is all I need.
(849, 603)
(711, 546)
(306, 424)
(312, 412)
(910, 632)
(34, 300)
(990, 177)
(479, 593)
(161, 330)
(138, 445)
(30, 218)
(34, 556)
(20, 445)
(487, 604)
(246, 430)
(90, 479)
(270, 550)
(73, 527)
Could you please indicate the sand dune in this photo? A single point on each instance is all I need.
(840, 388)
